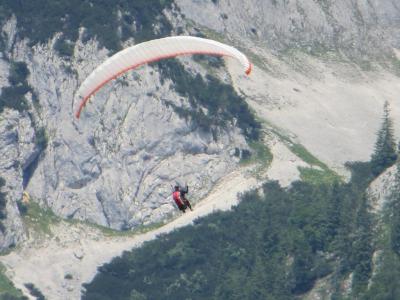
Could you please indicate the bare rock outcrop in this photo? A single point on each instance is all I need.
(17, 151)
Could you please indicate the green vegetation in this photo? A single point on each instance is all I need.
(260, 155)
(212, 61)
(112, 22)
(109, 232)
(64, 47)
(274, 245)
(305, 155)
(3, 203)
(7, 289)
(271, 246)
(394, 215)
(319, 172)
(22, 208)
(314, 175)
(18, 73)
(385, 285)
(38, 218)
(35, 292)
(13, 96)
(385, 282)
(385, 153)
(41, 138)
(39, 221)
(213, 103)
(318, 176)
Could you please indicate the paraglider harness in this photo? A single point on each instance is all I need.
(180, 199)
(183, 197)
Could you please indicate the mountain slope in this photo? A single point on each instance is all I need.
(77, 249)
(323, 70)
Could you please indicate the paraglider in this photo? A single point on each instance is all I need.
(176, 195)
(179, 196)
(151, 51)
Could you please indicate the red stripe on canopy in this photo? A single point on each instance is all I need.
(86, 98)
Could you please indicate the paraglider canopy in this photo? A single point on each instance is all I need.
(151, 51)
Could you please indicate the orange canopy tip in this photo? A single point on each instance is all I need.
(248, 71)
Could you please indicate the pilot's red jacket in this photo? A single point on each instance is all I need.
(177, 199)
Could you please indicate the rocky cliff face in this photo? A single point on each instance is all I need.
(381, 190)
(114, 166)
(17, 151)
(356, 28)
(323, 68)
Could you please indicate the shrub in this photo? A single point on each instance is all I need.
(22, 208)
(64, 48)
(3, 201)
(41, 19)
(222, 104)
(35, 291)
(41, 138)
(18, 73)
(13, 96)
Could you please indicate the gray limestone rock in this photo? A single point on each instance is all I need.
(116, 164)
(355, 27)
(17, 151)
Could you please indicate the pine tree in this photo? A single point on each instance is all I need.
(395, 219)
(362, 247)
(385, 153)
(334, 207)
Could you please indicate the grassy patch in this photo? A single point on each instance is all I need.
(317, 176)
(306, 156)
(261, 155)
(322, 174)
(7, 288)
(313, 175)
(39, 219)
(109, 232)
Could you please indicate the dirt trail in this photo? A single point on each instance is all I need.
(59, 265)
